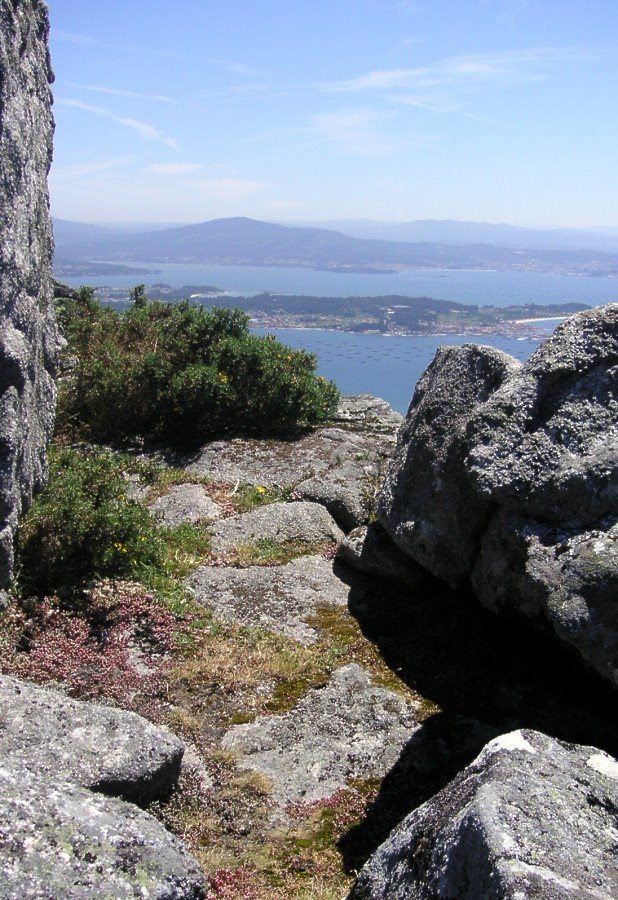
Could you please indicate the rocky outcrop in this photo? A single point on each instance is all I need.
(507, 475)
(28, 335)
(337, 466)
(61, 840)
(530, 817)
(58, 836)
(427, 503)
(87, 744)
(281, 598)
(185, 503)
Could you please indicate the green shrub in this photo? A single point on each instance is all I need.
(83, 526)
(179, 373)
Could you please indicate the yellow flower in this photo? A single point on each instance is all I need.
(223, 378)
(260, 489)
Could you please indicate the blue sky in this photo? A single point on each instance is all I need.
(290, 110)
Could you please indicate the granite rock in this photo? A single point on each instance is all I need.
(61, 840)
(281, 598)
(87, 744)
(29, 341)
(530, 817)
(347, 730)
(279, 522)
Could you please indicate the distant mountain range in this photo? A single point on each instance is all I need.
(243, 241)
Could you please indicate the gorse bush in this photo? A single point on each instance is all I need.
(182, 374)
(83, 526)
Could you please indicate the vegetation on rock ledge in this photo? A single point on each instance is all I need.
(176, 372)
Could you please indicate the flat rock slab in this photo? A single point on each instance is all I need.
(530, 817)
(364, 426)
(87, 744)
(279, 522)
(185, 503)
(280, 598)
(62, 841)
(349, 729)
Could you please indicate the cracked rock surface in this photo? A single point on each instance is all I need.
(348, 729)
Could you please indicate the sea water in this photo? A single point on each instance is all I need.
(386, 366)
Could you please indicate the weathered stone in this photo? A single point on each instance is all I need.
(28, 336)
(60, 840)
(347, 730)
(87, 744)
(365, 412)
(278, 522)
(369, 549)
(508, 474)
(427, 503)
(185, 503)
(568, 578)
(546, 444)
(530, 817)
(364, 427)
(281, 598)
(347, 491)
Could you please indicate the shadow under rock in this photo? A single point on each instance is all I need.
(487, 675)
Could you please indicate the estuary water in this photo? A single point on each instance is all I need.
(387, 366)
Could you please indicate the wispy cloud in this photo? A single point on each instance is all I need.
(84, 170)
(143, 129)
(120, 92)
(174, 168)
(512, 66)
(84, 40)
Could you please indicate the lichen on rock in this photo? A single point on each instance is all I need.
(28, 335)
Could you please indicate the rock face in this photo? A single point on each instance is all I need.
(87, 744)
(507, 475)
(530, 817)
(427, 503)
(28, 335)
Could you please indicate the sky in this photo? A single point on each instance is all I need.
(313, 110)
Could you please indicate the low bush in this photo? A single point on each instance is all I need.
(181, 374)
(84, 526)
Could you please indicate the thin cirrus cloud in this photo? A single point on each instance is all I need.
(511, 65)
(143, 129)
(84, 40)
(120, 92)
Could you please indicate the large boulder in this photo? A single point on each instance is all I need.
(427, 503)
(61, 840)
(28, 335)
(507, 475)
(277, 522)
(530, 817)
(87, 744)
